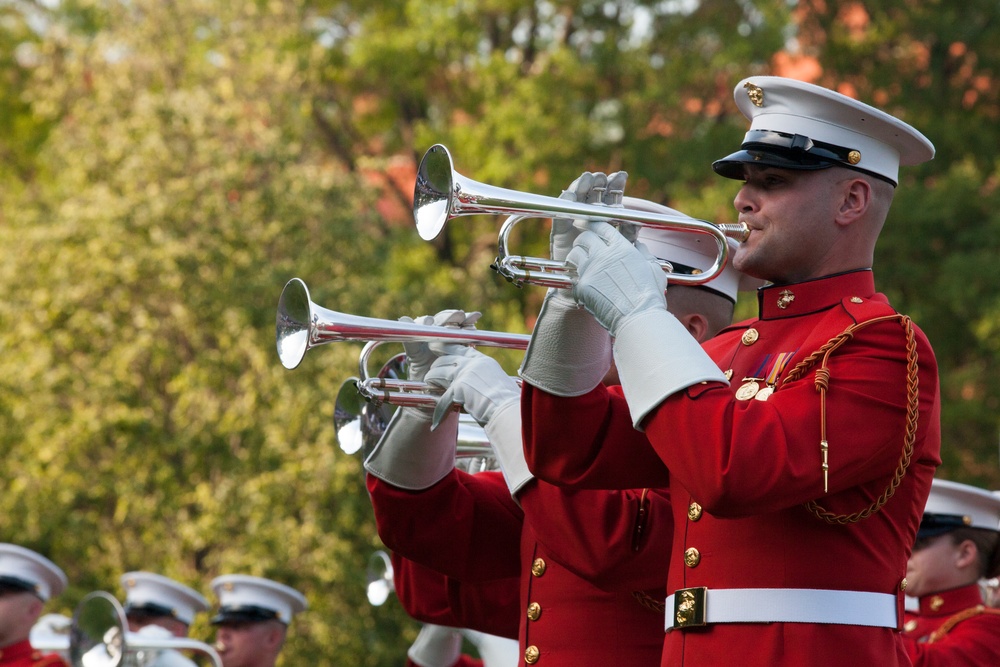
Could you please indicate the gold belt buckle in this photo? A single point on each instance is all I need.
(689, 607)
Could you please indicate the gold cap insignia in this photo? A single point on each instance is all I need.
(755, 93)
(854, 157)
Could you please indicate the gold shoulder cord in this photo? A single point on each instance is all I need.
(946, 627)
(823, 385)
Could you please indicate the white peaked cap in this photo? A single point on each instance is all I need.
(161, 596)
(246, 598)
(953, 505)
(798, 125)
(30, 571)
(690, 250)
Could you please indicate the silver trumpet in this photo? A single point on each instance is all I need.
(98, 637)
(442, 194)
(302, 325)
(361, 423)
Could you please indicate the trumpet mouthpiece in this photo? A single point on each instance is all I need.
(738, 232)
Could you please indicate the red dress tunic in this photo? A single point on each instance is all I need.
(22, 654)
(743, 471)
(562, 547)
(953, 628)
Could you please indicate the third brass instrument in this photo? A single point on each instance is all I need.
(302, 325)
(442, 194)
(99, 637)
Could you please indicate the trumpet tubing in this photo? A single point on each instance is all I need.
(442, 194)
(302, 325)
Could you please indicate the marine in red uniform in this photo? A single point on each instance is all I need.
(591, 566)
(27, 581)
(801, 444)
(956, 547)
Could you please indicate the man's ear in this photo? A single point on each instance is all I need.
(966, 554)
(696, 324)
(856, 200)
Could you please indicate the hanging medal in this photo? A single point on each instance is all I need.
(771, 381)
(748, 389)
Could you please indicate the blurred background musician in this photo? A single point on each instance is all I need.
(253, 617)
(27, 581)
(956, 547)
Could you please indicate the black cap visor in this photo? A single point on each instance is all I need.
(9, 584)
(932, 525)
(785, 151)
(148, 610)
(244, 614)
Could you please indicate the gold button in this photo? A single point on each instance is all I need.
(534, 611)
(692, 557)
(910, 625)
(854, 157)
(936, 602)
(750, 336)
(538, 567)
(694, 511)
(531, 655)
(903, 584)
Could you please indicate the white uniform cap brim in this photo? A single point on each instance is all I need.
(795, 107)
(143, 588)
(980, 507)
(236, 590)
(31, 567)
(698, 251)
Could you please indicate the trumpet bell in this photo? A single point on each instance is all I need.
(379, 574)
(293, 323)
(432, 194)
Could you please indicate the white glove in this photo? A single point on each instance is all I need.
(473, 381)
(588, 188)
(493, 399)
(504, 433)
(420, 355)
(615, 279)
(436, 646)
(623, 286)
(409, 454)
(569, 353)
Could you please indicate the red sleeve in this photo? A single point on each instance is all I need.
(431, 597)
(587, 441)
(465, 526)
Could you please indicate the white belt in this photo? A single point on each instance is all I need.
(693, 607)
